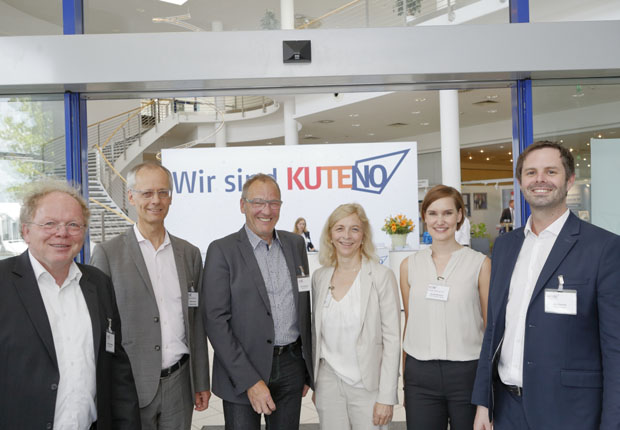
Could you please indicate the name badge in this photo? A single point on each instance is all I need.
(109, 338)
(304, 284)
(562, 302)
(192, 299)
(437, 292)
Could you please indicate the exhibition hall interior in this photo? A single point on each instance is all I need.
(128, 123)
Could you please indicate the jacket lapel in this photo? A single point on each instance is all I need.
(506, 264)
(563, 244)
(247, 253)
(365, 287)
(136, 255)
(89, 290)
(288, 255)
(179, 261)
(28, 290)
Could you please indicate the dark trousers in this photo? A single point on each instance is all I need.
(508, 413)
(438, 390)
(286, 384)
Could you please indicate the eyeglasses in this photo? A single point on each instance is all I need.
(149, 194)
(260, 203)
(73, 228)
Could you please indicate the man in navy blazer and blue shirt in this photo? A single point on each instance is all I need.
(550, 357)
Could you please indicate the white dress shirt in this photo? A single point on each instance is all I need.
(531, 259)
(72, 331)
(165, 281)
(340, 329)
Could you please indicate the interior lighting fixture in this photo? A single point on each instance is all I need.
(561, 140)
(588, 165)
(488, 159)
(269, 143)
(588, 185)
(371, 134)
(509, 152)
(511, 160)
(420, 99)
(355, 125)
(492, 111)
(570, 149)
(325, 121)
(354, 115)
(177, 2)
(415, 112)
(471, 158)
(600, 136)
(577, 165)
(492, 97)
(424, 123)
(587, 143)
(585, 159)
(482, 151)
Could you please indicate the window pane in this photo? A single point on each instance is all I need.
(30, 17)
(584, 117)
(32, 146)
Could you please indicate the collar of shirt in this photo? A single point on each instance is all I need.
(255, 240)
(39, 271)
(141, 238)
(554, 228)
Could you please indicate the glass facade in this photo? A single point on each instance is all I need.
(32, 147)
(590, 115)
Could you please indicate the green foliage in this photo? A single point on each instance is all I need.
(269, 21)
(479, 230)
(26, 132)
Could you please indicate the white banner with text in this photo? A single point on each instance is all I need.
(314, 179)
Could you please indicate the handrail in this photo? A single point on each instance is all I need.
(114, 211)
(328, 14)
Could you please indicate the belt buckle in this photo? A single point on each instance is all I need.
(280, 349)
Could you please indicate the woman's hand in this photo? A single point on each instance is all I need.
(382, 414)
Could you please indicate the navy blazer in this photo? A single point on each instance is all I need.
(571, 363)
(28, 365)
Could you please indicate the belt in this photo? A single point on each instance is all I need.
(279, 350)
(169, 371)
(513, 389)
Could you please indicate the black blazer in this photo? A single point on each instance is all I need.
(28, 368)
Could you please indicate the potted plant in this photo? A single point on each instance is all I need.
(398, 227)
(480, 238)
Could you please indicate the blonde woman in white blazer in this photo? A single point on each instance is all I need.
(355, 327)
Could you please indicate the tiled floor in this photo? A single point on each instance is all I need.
(214, 415)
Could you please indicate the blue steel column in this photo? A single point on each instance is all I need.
(76, 138)
(522, 115)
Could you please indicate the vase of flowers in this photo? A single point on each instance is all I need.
(398, 227)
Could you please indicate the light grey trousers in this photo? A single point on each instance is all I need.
(171, 409)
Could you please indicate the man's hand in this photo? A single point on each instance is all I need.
(481, 422)
(382, 414)
(260, 398)
(305, 391)
(202, 400)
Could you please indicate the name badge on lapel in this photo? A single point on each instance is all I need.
(437, 292)
(109, 338)
(192, 297)
(303, 281)
(561, 301)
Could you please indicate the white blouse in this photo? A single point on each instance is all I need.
(340, 328)
(451, 329)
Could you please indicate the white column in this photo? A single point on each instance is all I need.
(290, 124)
(450, 141)
(287, 14)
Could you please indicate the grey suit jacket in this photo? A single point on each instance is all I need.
(378, 343)
(237, 314)
(122, 260)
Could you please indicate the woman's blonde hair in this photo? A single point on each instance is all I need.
(327, 252)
